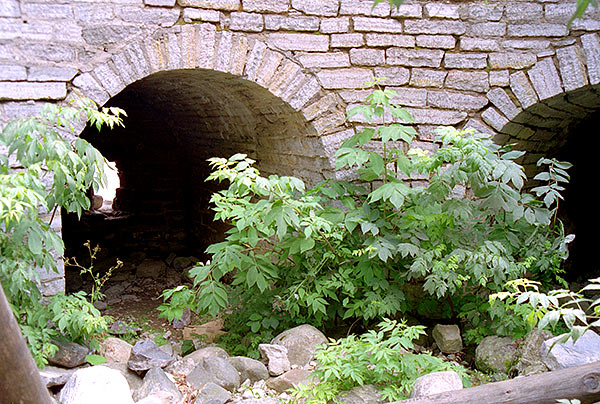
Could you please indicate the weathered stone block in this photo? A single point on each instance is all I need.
(465, 60)
(329, 59)
(411, 97)
(317, 7)
(230, 5)
(394, 76)
(441, 10)
(414, 57)
(591, 49)
(495, 119)
(485, 29)
(401, 41)
(436, 41)
(572, 68)
(199, 14)
(407, 11)
(10, 8)
(102, 34)
(335, 25)
(32, 91)
(436, 116)
(545, 79)
(347, 40)
(242, 21)
(522, 89)
(455, 100)
(345, 78)
(293, 23)
(268, 67)
(434, 27)
(91, 88)
(484, 11)
(463, 80)
(510, 60)
(367, 57)
(269, 6)
(539, 29)
(524, 12)
(302, 42)
(435, 383)
(502, 101)
(13, 73)
(479, 44)
(372, 24)
(161, 3)
(427, 78)
(364, 7)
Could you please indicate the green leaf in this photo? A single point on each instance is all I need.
(95, 359)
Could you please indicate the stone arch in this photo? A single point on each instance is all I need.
(552, 109)
(194, 93)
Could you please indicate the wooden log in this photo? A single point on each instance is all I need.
(20, 381)
(580, 382)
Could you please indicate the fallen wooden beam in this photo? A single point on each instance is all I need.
(581, 382)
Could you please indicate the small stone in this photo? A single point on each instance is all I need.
(69, 354)
(447, 338)
(496, 354)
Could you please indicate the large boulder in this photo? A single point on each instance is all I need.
(437, 382)
(288, 380)
(530, 360)
(496, 354)
(214, 370)
(276, 357)
(447, 338)
(146, 355)
(568, 354)
(96, 385)
(69, 354)
(134, 380)
(250, 369)
(156, 380)
(366, 394)
(199, 355)
(301, 343)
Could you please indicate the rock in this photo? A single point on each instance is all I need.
(69, 354)
(276, 356)
(437, 382)
(122, 328)
(150, 268)
(97, 201)
(447, 338)
(96, 385)
(134, 380)
(160, 397)
(115, 350)
(145, 355)
(496, 354)
(530, 360)
(184, 262)
(266, 400)
(181, 366)
(288, 380)
(366, 394)
(207, 352)
(249, 368)
(566, 355)
(53, 376)
(157, 380)
(301, 343)
(212, 394)
(214, 370)
(184, 321)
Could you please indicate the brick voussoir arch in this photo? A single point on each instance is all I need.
(555, 91)
(202, 46)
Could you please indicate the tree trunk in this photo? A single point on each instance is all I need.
(20, 381)
(580, 382)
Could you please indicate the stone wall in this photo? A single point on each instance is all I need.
(274, 78)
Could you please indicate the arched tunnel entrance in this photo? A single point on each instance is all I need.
(176, 121)
(565, 127)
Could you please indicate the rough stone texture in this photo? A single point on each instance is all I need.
(366, 394)
(530, 360)
(447, 338)
(249, 369)
(496, 354)
(115, 350)
(276, 357)
(69, 354)
(215, 370)
(435, 383)
(301, 343)
(55, 376)
(145, 355)
(569, 354)
(157, 380)
(212, 393)
(96, 385)
(288, 380)
(298, 51)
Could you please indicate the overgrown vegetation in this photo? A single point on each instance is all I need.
(455, 224)
(44, 166)
(383, 358)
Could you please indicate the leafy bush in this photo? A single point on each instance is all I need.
(345, 250)
(44, 167)
(382, 358)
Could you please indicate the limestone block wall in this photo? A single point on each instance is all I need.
(274, 78)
